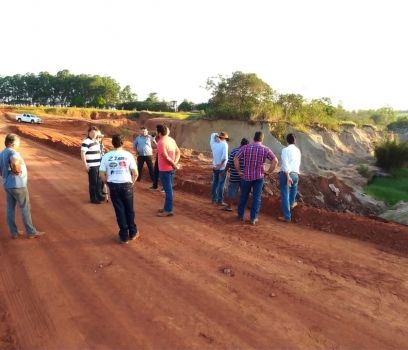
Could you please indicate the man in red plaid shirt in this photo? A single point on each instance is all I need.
(252, 176)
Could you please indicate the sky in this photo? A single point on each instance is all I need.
(353, 51)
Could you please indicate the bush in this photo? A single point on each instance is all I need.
(279, 131)
(399, 123)
(391, 154)
(364, 171)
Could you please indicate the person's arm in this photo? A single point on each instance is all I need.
(224, 172)
(153, 142)
(133, 170)
(136, 145)
(274, 163)
(178, 154)
(103, 176)
(212, 139)
(168, 159)
(135, 174)
(83, 157)
(15, 165)
(236, 164)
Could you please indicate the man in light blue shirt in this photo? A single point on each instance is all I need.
(14, 179)
(144, 152)
(219, 148)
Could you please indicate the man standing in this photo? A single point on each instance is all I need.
(219, 148)
(14, 178)
(119, 170)
(168, 157)
(254, 156)
(289, 176)
(144, 151)
(234, 182)
(91, 158)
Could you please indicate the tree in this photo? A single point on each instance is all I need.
(243, 95)
(126, 95)
(152, 98)
(186, 106)
(384, 116)
(291, 104)
(98, 101)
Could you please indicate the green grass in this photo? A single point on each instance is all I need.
(176, 115)
(389, 190)
(347, 123)
(67, 111)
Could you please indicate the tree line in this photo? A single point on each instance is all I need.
(69, 90)
(247, 97)
(239, 96)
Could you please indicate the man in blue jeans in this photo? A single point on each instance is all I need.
(252, 175)
(219, 148)
(289, 176)
(14, 178)
(168, 155)
(118, 169)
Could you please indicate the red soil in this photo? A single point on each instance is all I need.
(200, 279)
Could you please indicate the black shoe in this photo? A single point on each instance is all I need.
(96, 202)
(101, 198)
(120, 241)
(137, 235)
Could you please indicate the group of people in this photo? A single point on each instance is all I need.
(118, 171)
(246, 165)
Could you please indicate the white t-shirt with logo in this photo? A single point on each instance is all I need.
(117, 164)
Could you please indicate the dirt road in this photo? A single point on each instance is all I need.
(288, 287)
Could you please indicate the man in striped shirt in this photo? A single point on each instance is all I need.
(252, 176)
(91, 158)
(234, 182)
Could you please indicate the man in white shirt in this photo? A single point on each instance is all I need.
(119, 171)
(289, 176)
(219, 148)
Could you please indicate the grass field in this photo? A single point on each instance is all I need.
(86, 112)
(390, 189)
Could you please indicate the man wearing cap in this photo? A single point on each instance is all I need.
(144, 151)
(252, 175)
(219, 148)
(234, 182)
(289, 176)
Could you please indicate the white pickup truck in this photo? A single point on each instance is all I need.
(28, 118)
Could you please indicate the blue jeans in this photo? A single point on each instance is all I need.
(20, 196)
(167, 178)
(288, 194)
(246, 186)
(122, 199)
(217, 190)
